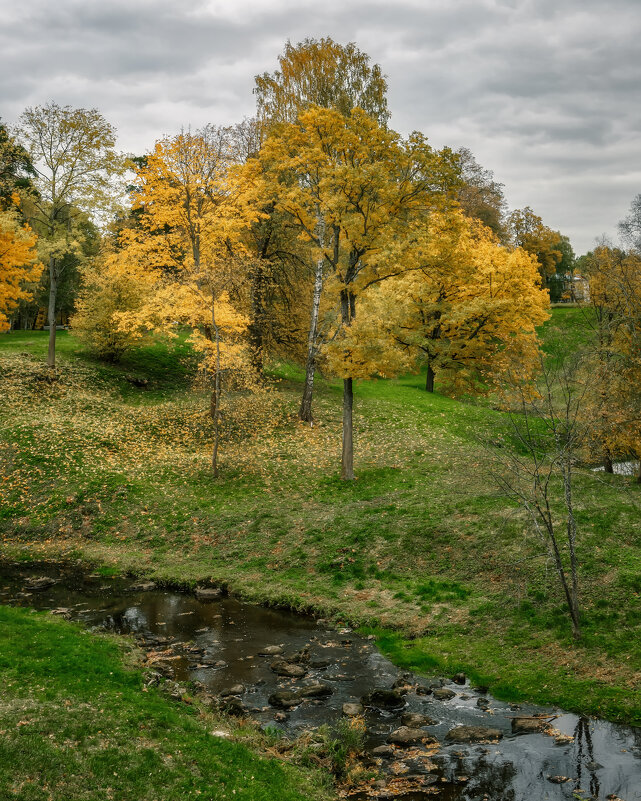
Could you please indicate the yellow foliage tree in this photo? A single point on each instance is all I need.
(109, 288)
(359, 195)
(469, 312)
(321, 72)
(315, 72)
(528, 231)
(188, 250)
(18, 261)
(614, 408)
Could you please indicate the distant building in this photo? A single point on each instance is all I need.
(569, 288)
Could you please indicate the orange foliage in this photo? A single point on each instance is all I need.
(18, 264)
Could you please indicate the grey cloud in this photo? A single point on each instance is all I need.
(544, 93)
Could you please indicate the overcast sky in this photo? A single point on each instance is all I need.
(546, 93)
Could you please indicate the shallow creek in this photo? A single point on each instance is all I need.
(217, 643)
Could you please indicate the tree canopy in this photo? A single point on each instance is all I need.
(75, 162)
(321, 72)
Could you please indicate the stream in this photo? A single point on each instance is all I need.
(293, 673)
(620, 468)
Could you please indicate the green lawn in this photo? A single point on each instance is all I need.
(568, 330)
(76, 724)
(421, 547)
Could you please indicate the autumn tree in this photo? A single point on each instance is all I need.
(18, 262)
(566, 267)
(468, 314)
(107, 291)
(187, 251)
(277, 290)
(321, 72)
(73, 154)
(18, 257)
(317, 72)
(614, 366)
(272, 295)
(527, 231)
(480, 195)
(359, 195)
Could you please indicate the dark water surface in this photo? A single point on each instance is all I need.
(217, 643)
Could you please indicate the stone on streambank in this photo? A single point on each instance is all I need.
(473, 734)
(38, 583)
(407, 736)
(415, 720)
(384, 699)
(316, 690)
(528, 725)
(143, 586)
(285, 699)
(237, 689)
(384, 751)
(403, 685)
(352, 710)
(271, 650)
(62, 611)
(233, 706)
(443, 694)
(208, 593)
(288, 669)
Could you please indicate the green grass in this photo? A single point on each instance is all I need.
(76, 724)
(567, 331)
(421, 544)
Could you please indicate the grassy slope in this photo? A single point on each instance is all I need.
(421, 542)
(75, 724)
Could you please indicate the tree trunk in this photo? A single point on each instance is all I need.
(571, 534)
(53, 292)
(305, 411)
(429, 381)
(570, 596)
(215, 398)
(347, 459)
(607, 462)
(255, 329)
(639, 473)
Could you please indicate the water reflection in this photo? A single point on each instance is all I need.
(585, 761)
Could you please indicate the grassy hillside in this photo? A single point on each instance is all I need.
(76, 724)
(421, 547)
